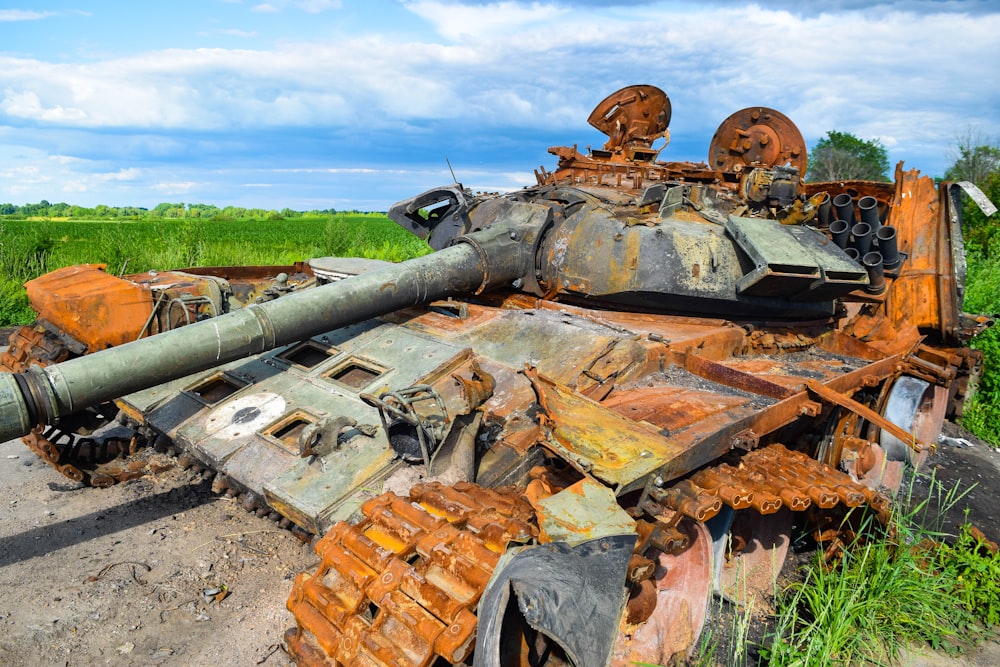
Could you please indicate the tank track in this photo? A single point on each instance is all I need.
(766, 480)
(400, 587)
(96, 461)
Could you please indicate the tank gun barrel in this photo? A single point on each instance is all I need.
(478, 261)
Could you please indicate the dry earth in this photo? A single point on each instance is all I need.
(120, 576)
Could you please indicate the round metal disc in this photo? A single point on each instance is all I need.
(757, 137)
(917, 407)
(634, 113)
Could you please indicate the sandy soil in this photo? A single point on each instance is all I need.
(121, 576)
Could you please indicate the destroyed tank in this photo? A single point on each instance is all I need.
(601, 399)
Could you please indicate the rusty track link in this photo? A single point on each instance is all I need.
(400, 587)
(32, 345)
(98, 462)
(766, 480)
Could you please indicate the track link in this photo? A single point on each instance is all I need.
(400, 587)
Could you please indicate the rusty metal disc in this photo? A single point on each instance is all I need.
(757, 137)
(632, 114)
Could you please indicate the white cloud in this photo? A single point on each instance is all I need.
(64, 159)
(317, 6)
(26, 104)
(232, 32)
(10, 15)
(124, 174)
(307, 6)
(174, 188)
(468, 23)
(910, 79)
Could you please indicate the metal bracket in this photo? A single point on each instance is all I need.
(831, 396)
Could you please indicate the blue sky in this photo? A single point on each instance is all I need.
(354, 104)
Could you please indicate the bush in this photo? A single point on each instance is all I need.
(974, 571)
(14, 308)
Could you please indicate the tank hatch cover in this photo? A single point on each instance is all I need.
(636, 115)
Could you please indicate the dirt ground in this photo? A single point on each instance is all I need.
(126, 575)
(123, 576)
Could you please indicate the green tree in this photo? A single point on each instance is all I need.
(974, 158)
(841, 156)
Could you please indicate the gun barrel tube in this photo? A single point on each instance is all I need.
(868, 206)
(840, 230)
(843, 204)
(42, 395)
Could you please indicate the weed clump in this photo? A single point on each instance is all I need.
(894, 585)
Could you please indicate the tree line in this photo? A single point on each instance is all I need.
(44, 209)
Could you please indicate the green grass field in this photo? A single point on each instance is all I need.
(29, 248)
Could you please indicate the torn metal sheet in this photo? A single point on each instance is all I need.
(573, 595)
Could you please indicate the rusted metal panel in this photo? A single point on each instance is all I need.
(603, 443)
(584, 511)
(671, 408)
(91, 305)
(924, 294)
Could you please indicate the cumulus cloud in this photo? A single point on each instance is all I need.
(539, 77)
(484, 75)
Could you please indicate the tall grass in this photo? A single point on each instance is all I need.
(982, 295)
(982, 412)
(892, 587)
(23, 256)
(31, 248)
